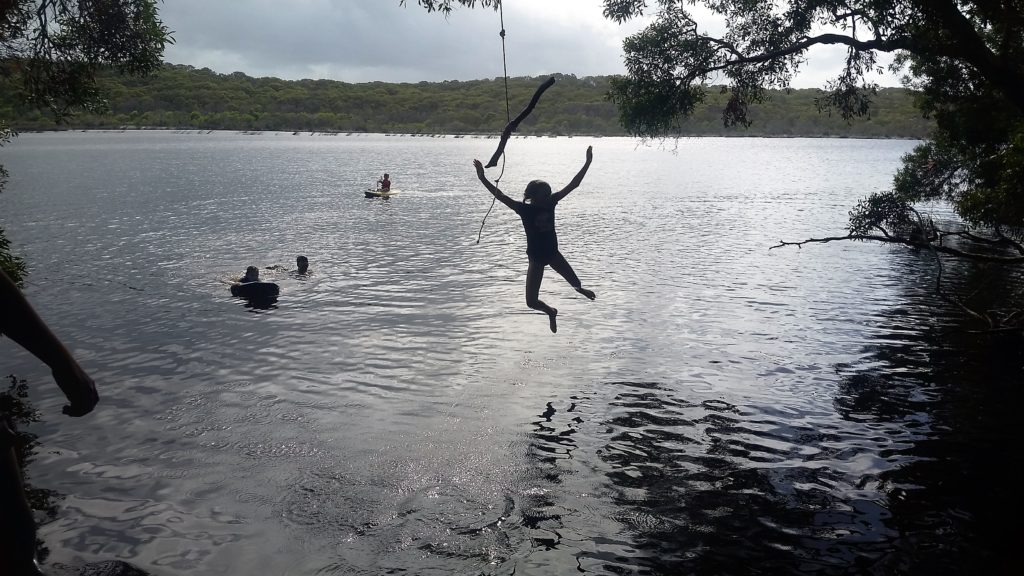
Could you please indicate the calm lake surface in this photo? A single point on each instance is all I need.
(719, 409)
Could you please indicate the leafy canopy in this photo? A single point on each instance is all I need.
(964, 59)
(55, 48)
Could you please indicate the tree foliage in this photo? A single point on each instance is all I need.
(52, 50)
(963, 58)
(56, 47)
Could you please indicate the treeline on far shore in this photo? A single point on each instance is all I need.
(184, 97)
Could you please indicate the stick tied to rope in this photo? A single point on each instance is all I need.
(508, 117)
(511, 126)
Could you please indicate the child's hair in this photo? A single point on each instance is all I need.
(536, 190)
(302, 260)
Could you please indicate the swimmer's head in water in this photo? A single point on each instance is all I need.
(252, 274)
(537, 190)
(302, 263)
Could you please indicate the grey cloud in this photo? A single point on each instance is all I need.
(367, 40)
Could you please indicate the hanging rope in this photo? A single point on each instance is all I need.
(508, 117)
(512, 123)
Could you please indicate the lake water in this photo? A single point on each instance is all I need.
(720, 408)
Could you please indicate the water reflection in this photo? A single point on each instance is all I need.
(256, 303)
(917, 471)
(713, 488)
(707, 487)
(953, 394)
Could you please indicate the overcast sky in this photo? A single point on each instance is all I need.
(367, 40)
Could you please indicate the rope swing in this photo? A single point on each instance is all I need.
(537, 210)
(511, 124)
(508, 117)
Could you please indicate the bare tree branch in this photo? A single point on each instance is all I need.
(996, 322)
(911, 243)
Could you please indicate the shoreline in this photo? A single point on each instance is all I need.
(485, 135)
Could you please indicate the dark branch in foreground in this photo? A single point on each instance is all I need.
(911, 243)
(997, 321)
(511, 126)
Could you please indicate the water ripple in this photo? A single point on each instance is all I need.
(719, 409)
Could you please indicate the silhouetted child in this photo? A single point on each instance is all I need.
(537, 211)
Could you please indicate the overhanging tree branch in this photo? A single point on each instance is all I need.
(911, 243)
(996, 321)
(878, 44)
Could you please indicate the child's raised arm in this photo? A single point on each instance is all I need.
(578, 178)
(491, 187)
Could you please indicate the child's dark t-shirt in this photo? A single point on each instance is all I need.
(539, 224)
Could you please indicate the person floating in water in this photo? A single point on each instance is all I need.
(252, 274)
(537, 211)
(250, 286)
(384, 184)
(20, 323)
(301, 267)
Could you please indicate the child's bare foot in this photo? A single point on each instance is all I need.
(588, 293)
(551, 319)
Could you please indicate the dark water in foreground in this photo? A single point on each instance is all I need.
(720, 409)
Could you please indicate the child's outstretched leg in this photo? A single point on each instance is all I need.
(559, 264)
(534, 276)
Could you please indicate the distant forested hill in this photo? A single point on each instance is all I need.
(183, 97)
